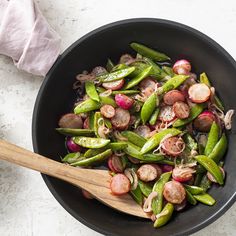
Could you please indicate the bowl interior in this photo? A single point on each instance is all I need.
(56, 97)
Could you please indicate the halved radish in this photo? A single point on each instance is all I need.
(199, 93)
(115, 85)
(120, 184)
(204, 121)
(108, 111)
(116, 164)
(124, 101)
(182, 67)
(166, 114)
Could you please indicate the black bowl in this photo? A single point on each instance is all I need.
(56, 98)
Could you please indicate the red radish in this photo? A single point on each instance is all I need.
(173, 96)
(204, 121)
(211, 178)
(166, 114)
(166, 168)
(124, 101)
(133, 160)
(182, 67)
(109, 162)
(115, 85)
(181, 110)
(149, 172)
(121, 119)
(116, 163)
(71, 120)
(86, 194)
(182, 174)
(173, 146)
(143, 130)
(199, 93)
(72, 147)
(108, 111)
(86, 123)
(120, 184)
(174, 192)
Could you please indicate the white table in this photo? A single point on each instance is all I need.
(26, 206)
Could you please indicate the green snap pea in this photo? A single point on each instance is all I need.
(198, 179)
(139, 68)
(137, 195)
(72, 157)
(212, 139)
(154, 116)
(219, 149)
(145, 188)
(91, 120)
(148, 108)
(129, 92)
(86, 106)
(168, 70)
(156, 139)
(133, 151)
(116, 75)
(194, 189)
(190, 142)
(93, 160)
(75, 132)
(148, 52)
(205, 198)
(212, 167)
(91, 142)
(91, 91)
(134, 138)
(136, 80)
(158, 187)
(194, 112)
(120, 67)
(107, 100)
(190, 198)
(110, 65)
(205, 183)
(97, 118)
(93, 152)
(153, 157)
(100, 89)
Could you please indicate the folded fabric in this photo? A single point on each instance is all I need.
(26, 37)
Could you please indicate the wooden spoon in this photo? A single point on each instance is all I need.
(95, 182)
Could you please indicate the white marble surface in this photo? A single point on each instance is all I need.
(26, 206)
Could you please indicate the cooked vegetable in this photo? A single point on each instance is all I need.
(199, 93)
(182, 67)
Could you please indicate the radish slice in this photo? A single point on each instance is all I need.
(120, 184)
(166, 114)
(115, 85)
(117, 164)
(182, 67)
(124, 101)
(199, 93)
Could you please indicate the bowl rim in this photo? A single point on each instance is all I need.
(46, 179)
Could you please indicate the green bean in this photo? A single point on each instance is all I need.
(148, 108)
(194, 189)
(154, 116)
(205, 183)
(148, 52)
(137, 195)
(109, 65)
(168, 70)
(93, 160)
(212, 167)
(72, 157)
(134, 138)
(156, 139)
(91, 91)
(75, 132)
(145, 188)
(136, 80)
(129, 92)
(164, 216)
(86, 106)
(190, 198)
(107, 100)
(91, 142)
(194, 112)
(159, 187)
(116, 75)
(205, 198)
(212, 139)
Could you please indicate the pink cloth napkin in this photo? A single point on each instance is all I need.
(26, 37)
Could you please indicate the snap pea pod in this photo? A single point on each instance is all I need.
(137, 195)
(194, 112)
(154, 116)
(212, 139)
(133, 151)
(129, 92)
(93, 160)
(190, 142)
(134, 138)
(108, 123)
(190, 198)
(116, 75)
(139, 68)
(145, 188)
(136, 80)
(148, 52)
(110, 65)
(205, 198)
(172, 83)
(120, 67)
(91, 91)
(91, 142)
(194, 189)
(91, 120)
(148, 108)
(97, 117)
(205, 183)
(164, 216)
(204, 79)
(198, 179)
(168, 70)
(156, 139)
(153, 157)
(75, 132)
(212, 167)
(158, 187)
(72, 157)
(100, 89)
(86, 106)
(219, 149)
(137, 122)
(107, 100)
